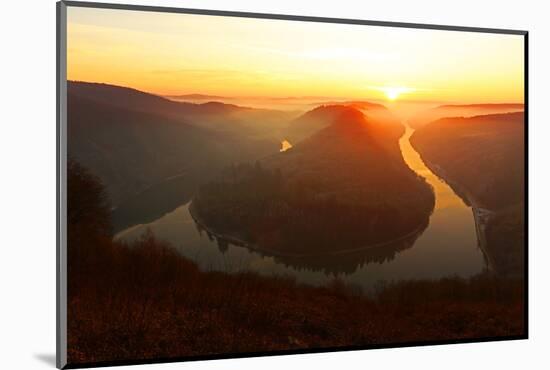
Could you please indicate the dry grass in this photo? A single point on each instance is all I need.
(142, 301)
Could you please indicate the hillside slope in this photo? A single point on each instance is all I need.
(222, 117)
(462, 110)
(482, 158)
(133, 140)
(323, 115)
(344, 187)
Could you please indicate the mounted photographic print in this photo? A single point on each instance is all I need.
(238, 184)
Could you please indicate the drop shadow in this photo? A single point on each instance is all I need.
(46, 358)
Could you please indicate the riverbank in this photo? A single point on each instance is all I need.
(482, 157)
(482, 216)
(234, 240)
(155, 201)
(498, 260)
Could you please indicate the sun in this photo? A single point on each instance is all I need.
(392, 93)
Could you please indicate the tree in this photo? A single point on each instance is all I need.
(88, 206)
(89, 230)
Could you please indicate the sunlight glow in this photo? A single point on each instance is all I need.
(244, 57)
(393, 93)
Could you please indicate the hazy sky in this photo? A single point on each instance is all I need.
(178, 54)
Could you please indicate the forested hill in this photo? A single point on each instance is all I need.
(483, 153)
(483, 158)
(343, 187)
(133, 140)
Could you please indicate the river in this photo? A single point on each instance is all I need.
(447, 247)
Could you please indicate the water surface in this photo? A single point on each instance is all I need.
(447, 247)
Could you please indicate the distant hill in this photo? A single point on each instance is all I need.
(465, 110)
(132, 150)
(485, 153)
(358, 104)
(133, 140)
(483, 159)
(196, 97)
(218, 116)
(344, 187)
(321, 116)
(125, 97)
(496, 106)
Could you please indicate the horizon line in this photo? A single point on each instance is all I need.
(346, 99)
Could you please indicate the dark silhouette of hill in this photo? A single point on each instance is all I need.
(482, 158)
(344, 187)
(462, 110)
(131, 150)
(485, 153)
(126, 138)
(243, 121)
(136, 100)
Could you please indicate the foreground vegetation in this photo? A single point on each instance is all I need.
(147, 302)
(142, 301)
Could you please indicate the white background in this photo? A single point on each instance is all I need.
(27, 180)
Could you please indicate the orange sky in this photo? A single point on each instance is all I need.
(167, 53)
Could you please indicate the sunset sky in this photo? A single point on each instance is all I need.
(170, 54)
